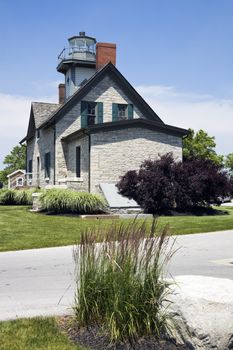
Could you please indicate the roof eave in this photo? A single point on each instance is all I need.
(168, 129)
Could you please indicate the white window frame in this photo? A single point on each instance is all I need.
(17, 182)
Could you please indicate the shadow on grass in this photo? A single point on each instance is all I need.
(197, 211)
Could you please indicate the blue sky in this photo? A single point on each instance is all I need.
(177, 53)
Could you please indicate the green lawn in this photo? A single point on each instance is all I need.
(34, 334)
(21, 229)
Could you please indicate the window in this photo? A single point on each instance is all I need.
(30, 169)
(47, 164)
(38, 165)
(73, 75)
(19, 182)
(37, 134)
(78, 161)
(91, 113)
(122, 111)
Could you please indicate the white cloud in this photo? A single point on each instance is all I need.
(14, 116)
(196, 111)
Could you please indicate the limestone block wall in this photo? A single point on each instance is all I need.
(113, 153)
(105, 91)
(37, 148)
(108, 92)
(65, 126)
(80, 184)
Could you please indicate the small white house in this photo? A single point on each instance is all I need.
(16, 179)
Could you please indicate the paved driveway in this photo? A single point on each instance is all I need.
(208, 254)
(36, 282)
(41, 281)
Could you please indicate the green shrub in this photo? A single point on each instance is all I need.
(70, 201)
(16, 197)
(120, 284)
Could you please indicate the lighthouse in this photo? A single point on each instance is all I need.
(77, 62)
(80, 60)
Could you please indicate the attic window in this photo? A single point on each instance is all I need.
(37, 134)
(122, 112)
(91, 113)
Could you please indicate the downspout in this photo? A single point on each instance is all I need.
(54, 157)
(89, 164)
(89, 159)
(26, 165)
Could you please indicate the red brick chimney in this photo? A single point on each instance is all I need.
(105, 52)
(61, 93)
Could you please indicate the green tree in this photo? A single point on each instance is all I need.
(13, 161)
(228, 162)
(201, 145)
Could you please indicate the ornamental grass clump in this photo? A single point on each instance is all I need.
(120, 282)
(16, 197)
(70, 201)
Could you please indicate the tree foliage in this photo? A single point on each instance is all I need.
(200, 182)
(229, 161)
(164, 184)
(201, 145)
(15, 160)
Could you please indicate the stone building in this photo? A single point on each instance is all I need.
(100, 128)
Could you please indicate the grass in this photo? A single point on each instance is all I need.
(120, 284)
(21, 229)
(34, 334)
(70, 201)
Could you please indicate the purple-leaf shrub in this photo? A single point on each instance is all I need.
(163, 184)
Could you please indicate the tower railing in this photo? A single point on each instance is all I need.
(71, 52)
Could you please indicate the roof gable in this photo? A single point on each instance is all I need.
(18, 171)
(39, 114)
(123, 84)
(31, 126)
(42, 112)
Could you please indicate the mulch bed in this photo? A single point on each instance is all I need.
(93, 339)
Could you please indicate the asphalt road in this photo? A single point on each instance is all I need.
(41, 281)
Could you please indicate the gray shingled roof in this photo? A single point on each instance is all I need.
(42, 111)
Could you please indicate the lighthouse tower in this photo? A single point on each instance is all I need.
(77, 62)
(80, 61)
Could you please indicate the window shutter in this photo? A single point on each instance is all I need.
(130, 111)
(83, 114)
(78, 161)
(99, 112)
(114, 112)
